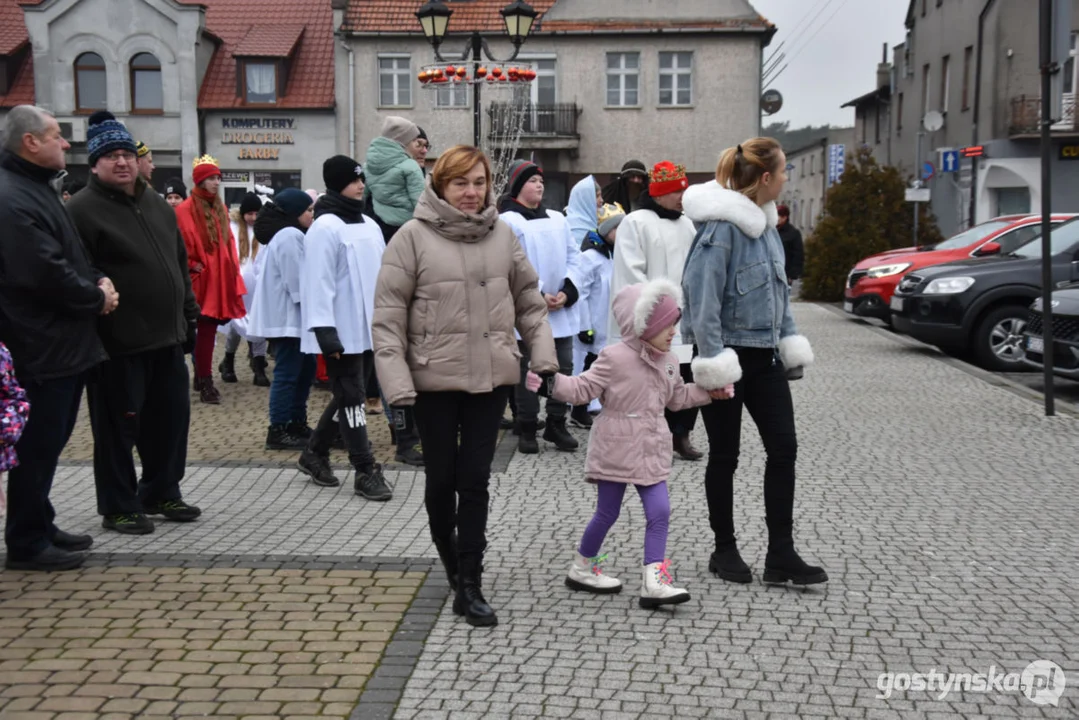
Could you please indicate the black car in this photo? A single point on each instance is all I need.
(980, 307)
(1065, 334)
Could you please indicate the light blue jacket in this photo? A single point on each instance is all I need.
(735, 285)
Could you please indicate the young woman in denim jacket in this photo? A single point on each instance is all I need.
(738, 313)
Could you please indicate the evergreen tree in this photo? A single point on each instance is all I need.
(866, 213)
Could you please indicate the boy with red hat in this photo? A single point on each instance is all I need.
(653, 242)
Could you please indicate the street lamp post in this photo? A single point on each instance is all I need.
(434, 18)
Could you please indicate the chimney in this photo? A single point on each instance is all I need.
(884, 70)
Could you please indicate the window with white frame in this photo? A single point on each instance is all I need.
(452, 95)
(623, 79)
(395, 80)
(676, 78)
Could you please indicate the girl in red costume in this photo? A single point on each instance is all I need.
(215, 270)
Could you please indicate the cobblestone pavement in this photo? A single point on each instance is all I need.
(168, 642)
(942, 506)
(234, 432)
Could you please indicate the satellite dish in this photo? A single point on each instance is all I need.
(933, 121)
(771, 102)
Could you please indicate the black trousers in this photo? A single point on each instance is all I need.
(765, 393)
(139, 401)
(348, 383)
(527, 401)
(682, 422)
(54, 408)
(459, 432)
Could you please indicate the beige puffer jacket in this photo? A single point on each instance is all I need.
(451, 290)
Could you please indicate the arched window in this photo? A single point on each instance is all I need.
(90, 85)
(146, 93)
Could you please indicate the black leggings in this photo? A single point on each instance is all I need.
(765, 392)
(459, 432)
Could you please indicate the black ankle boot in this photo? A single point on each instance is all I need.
(526, 437)
(227, 368)
(727, 564)
(469, 601)
(783, 563)
(258, 367)
(557, 433)
(447, 553)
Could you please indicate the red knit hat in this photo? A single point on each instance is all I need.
(204, 167)
(666, 178)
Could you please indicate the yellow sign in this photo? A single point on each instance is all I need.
(259, 153)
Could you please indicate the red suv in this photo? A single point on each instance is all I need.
(872, 281)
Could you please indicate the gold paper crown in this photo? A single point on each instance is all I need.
(204, 160)
(666, 171)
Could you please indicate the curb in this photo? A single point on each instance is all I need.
(1063, 407)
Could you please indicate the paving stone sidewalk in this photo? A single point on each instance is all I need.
(170, 642)
(942, 506)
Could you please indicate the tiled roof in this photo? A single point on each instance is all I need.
(269, 41)
(12, 27)
(758, 24)
(399, 16)
(310, 82)
(22, 90)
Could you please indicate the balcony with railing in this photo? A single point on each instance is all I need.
(1024, 120)
(543, 127)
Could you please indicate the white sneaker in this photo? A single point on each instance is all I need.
(585, 574)
(656, 587)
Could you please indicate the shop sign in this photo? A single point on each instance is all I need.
(253, 132)
(1069, 152)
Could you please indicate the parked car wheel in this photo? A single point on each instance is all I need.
(998, 339)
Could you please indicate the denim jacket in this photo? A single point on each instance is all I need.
(735, 285)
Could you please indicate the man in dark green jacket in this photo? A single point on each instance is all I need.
(140, 397)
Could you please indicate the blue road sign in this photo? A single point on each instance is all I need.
(949, 161)
(928, 171)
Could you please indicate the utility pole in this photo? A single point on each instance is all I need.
(917, 180)
(1048, 68)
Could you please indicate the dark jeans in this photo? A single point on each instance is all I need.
(682, 422)
(458, 469)
(54, 407)
(765, 392)
(527, 401)
(293, 373)
(348, 380)
(139, 401)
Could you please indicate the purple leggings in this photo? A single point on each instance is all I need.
(657, 513)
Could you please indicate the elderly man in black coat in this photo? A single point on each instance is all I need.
(50, 301)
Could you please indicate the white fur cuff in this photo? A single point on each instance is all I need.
(717, 372)
(794, 351)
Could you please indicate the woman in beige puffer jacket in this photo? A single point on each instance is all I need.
(454, 284)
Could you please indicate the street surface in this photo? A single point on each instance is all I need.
(943, 506)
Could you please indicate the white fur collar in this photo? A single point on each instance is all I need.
(650, 296)
(709, 201)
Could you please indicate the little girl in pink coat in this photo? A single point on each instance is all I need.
(630, 443)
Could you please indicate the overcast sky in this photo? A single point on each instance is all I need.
(833, 47)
